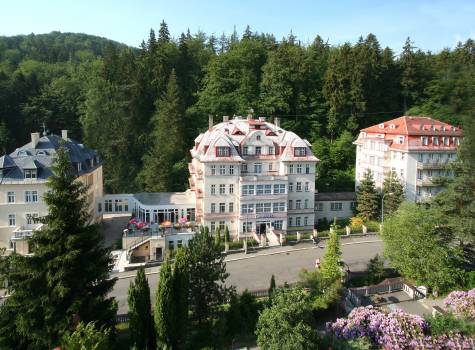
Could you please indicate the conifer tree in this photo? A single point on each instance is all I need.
(164, 312)
(163, 165)
(163, 34)
(217, 236)
(330, 267)
(393, 192)
(367, 197)
(67, 278)
(227, 238)
(180, 292)
(272, 285)
(142, 331)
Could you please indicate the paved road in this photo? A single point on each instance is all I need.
(254, 270)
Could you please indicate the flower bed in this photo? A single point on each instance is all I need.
(461, 304)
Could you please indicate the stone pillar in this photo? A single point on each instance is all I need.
(299, 236)
(282, 238)
(348, 230)
(364, 228)
(315, 233)
(244, 245)
(226, 247)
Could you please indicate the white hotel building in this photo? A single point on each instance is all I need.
(253, 176)
(418, 149)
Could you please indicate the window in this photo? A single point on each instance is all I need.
(400, 140)
(10, 197)
(247, 190)
(319, 206)
(419, 174)
(279, 188)
(245, 151)
(213, 189)
(222, 189)
(291, 204)
(297, 221)
(298, 204)
(30, 173)
(446, 140)
(270, 166)
(267, 189)
(179, 243)
(291, 169)
(305, 221)
(213, 226)
(99, 207)
(247, 208)
(213, 169)
(420, 157)
(270, 150)
(299, 187)
(231, 207)
(222, 170)
(418, 190)
(371, 160)
(258, 150)
(257, 168)
(231, 170)
(435, 140)
(259, 189)
(336, 206)
(300, 151)
(231, 188)
(457, 141)
(244, 168)
(290, 222)
(11, 220)
(222, 207)
(108, 205)
(79, 166)
(291, 187)
(299, 168)
(307, 168)
(213, 207)
(259, 207)
(222, 225)
(31, 196)
(278, 207)
(424, 140)
(307, 186)
(278, 224)
(30, 218)
(306, 204)
(353, 205)
(258, 137)
(222, 151)
(247, 226)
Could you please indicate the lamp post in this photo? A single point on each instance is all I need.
(382, 206)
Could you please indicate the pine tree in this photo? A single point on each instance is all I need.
(227, 238)
(164, 312)
(67, 278)
(393, 191)
(367, 197)
(142, 331)
(217, 236)
(163, 34)
(162, 171)
(180, 292)
(272, 285)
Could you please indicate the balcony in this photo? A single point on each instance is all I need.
(302, 210)
(271, 196)
(22, 233)
(432, 165)
(263, 176)
(425, 182)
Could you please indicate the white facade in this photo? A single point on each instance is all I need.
(339, 205)
(253, 176)
(418, 149)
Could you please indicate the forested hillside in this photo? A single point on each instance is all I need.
(123, 102)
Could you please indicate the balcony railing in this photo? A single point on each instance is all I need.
(425, 182)
(432, 165)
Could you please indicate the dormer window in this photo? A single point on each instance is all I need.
(435, 140)
(457, 141)
(300, 151)
(222, 151)
(424, 140)
(381, 126)
(22, 153)
(392, 126)
(30, 173)
(400, 140)
(258, 137)
(41, 153)
(446, 140)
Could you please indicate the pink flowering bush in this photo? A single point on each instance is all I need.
(461, 303)
(396, 330)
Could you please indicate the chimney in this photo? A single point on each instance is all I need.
(277, 121)
(210, 121)
(35, 138)
(64, 135)
(225, 118)
(250, 115)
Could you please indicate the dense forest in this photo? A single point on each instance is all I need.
(142, 108)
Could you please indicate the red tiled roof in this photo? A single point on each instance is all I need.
(407, 125)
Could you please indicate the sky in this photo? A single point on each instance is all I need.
(432, 25)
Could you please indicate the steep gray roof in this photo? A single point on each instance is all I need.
(41, 157)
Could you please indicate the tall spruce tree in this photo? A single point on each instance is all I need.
(330, 267)
(217, 236)
(163, 169)
(393, 192)
(141, 327)
(164, 312)
(367, 197)
(180, 292)
(67, 278)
